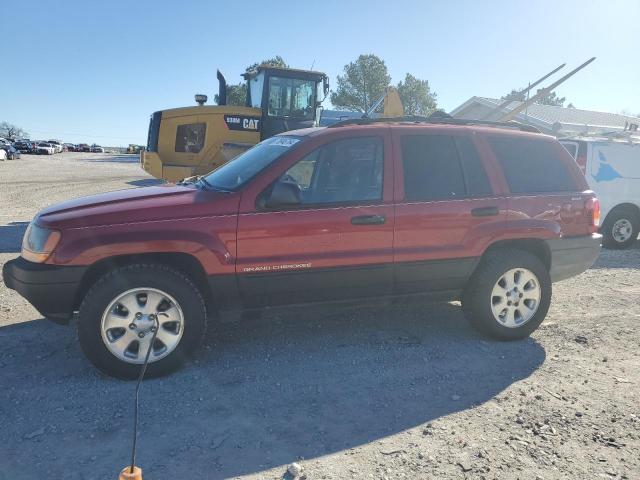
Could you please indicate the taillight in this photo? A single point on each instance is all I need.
(593, 211)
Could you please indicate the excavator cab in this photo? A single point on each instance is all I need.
(289, 99)
(187, 141)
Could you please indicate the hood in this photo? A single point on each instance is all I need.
(135, 205)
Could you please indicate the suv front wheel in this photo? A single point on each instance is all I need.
(121, 312)
(509, 294)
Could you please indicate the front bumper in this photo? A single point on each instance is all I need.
(571, 256)
(51, 289)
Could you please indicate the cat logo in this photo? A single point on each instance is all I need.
(250, 123)
(236, 122)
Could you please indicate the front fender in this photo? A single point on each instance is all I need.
(211, 240)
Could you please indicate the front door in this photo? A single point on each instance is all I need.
(337, 242)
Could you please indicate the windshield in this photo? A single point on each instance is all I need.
(247, 165)
(290, 97)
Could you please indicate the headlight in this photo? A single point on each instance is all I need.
(38, 243)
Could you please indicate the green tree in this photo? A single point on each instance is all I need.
(237, 93)
(11, 131)
(361, 85)
(416, 96)
(514, 95)
(276, 61)
(552, 99)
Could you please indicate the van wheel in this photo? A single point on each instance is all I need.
(620, 229)
(508, 295)
(120, 312)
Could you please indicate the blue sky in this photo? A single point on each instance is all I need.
(94, 71)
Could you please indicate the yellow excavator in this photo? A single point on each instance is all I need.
(188, 141)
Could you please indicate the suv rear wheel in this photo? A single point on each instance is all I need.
(509, 294)
(620, 229)
(120, 312)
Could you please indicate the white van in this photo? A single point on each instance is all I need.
(612, 170)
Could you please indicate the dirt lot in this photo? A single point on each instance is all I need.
(374, 391)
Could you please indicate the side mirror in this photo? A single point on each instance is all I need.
(283, 194)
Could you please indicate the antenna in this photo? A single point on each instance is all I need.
(504, 104)
(543, 92)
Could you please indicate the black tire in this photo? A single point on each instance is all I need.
(608, 228)
(107, 288)
(477, 297)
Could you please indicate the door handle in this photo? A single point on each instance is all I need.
(368, 220)
(485, 211)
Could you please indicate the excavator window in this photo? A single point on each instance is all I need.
(256, 84)
(291, 97)
(190, 137)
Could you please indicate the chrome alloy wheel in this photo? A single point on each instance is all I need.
(515, 297)
(621, 230)
(130, 319)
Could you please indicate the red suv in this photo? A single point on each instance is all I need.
(489, 215)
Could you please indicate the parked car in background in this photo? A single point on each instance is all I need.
(489, 216)
(612, 169)
(3, 154)
(44, 148)
(83, 147)
(12, 152)
(97, 149)
(56, 144)
(69, 147)
(24, 146)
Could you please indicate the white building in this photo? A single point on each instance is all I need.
(558, 121)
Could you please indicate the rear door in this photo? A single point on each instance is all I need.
(338, 242)
(446, 208)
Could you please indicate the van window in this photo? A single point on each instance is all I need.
(572, 148)
(431, 168)
(531, 165)
(190, 137)
(344, 171)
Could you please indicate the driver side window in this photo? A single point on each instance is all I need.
(345, 171)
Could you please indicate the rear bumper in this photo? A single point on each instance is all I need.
(51, 289)
(572, 256)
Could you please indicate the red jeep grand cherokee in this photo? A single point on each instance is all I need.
(487, 215)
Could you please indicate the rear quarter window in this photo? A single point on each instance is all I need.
(532, 165)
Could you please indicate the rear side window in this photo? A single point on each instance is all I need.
(474, 174)
(441, 167)
(531, 165)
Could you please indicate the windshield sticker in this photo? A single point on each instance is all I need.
(284, 141)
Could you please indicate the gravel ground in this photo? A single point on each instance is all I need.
(402, 390)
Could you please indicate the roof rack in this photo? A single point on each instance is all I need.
(437, 120)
